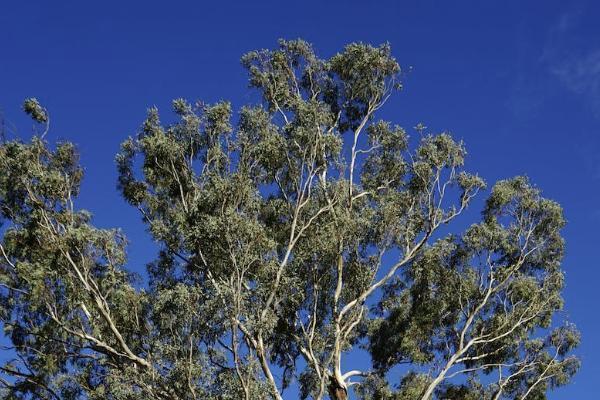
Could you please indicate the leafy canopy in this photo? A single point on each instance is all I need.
(289, 236)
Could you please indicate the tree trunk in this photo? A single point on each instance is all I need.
(337, 391)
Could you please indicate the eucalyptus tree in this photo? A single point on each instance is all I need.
(289, 236)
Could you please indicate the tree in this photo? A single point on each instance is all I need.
(305, 229)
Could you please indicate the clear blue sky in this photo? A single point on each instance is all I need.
(518, 81)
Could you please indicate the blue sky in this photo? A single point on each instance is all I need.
(518, 81)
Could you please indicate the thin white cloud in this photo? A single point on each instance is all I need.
(581, 75)
(572, 60)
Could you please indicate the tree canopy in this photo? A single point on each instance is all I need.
(290, 235)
